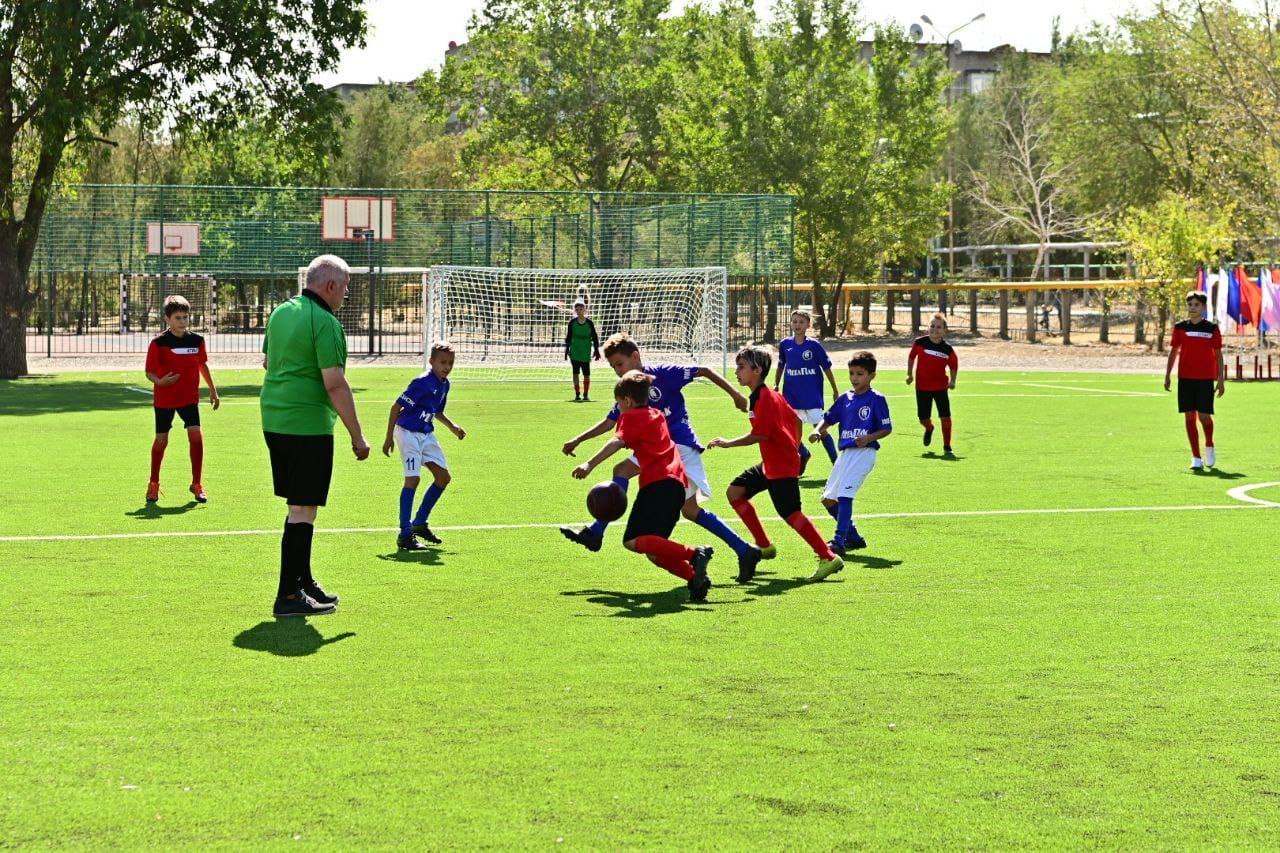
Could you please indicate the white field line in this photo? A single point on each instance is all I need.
(1101, 392)
(1241, 493)
(1252, 503)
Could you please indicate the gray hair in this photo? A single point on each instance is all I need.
(326, 268)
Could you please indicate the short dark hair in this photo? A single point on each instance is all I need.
(174, 304)
(756, 356)
(633, 386)
(442, 346)
(864, 359)
(1199, 296)
(802, 313)
(619, 342)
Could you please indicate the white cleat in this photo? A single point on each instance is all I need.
(1210, 457)
(1197, 464)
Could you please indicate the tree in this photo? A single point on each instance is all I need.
(68, 70)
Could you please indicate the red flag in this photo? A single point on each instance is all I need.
(1250, 298)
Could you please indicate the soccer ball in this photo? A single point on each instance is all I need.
(606, 502)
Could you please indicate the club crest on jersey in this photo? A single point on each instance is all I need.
(655, 393)
(864, 412)
(808, 355)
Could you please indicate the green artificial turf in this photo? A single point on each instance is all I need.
(1052, 679)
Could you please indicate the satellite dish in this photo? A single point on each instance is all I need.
(916, 32)
(956, 47)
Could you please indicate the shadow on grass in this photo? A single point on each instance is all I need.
(1219, 473)
(38, 396)
(765, 584)
(291, 637)
(429, 557)
(643, 605)
(867, 561)
(941, 457)
(153, 511)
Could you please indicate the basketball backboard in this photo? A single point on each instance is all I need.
(348, 217)
(173, 238)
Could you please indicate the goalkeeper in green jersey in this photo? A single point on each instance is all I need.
(581, 344)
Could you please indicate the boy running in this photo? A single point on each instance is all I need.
(580, 342)
(863, 417)
(175, 362)
(935, 357)
(666, 395)
(1197, 347)
(799, 360)
(412, 425)
(663, 484)
(775, 427)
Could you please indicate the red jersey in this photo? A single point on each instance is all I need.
(932, 361)
(1198, 345)
(183, 356)
(644, 430)
(773, 419)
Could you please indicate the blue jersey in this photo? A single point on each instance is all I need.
(802, 366)
(667, 395)
(422, 401)
(858, 415)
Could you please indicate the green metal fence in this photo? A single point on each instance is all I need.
(100, 287)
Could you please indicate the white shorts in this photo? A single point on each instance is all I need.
(417, 449)
(812, 417)
(848, 474)
(694, 470)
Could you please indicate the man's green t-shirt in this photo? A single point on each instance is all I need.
(581, 340)
(303, 338)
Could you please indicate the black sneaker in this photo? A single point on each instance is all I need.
(318, 595)
(409, 543)
(586, 399)
(584, 537)
(837, 546)
(577, 398)
(928, 437)
(747, 563)
(423, 531)
(301, 604)
(699, 584)
(947, 450)
(857, 543)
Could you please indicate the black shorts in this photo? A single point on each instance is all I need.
(190, 417)
(655, 510)
(301, 467)
(1196, 395)
(784, 492)
(925, 401)
(583, 367)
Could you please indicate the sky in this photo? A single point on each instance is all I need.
(408, 36)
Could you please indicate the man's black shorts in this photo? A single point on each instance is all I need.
(190, 417)
(924, 401)
(581, 366)
(784, 492)
(1196, 395)
(301, 467)
(656, 510)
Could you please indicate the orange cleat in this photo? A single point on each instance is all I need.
(197, 491)
(153, 491)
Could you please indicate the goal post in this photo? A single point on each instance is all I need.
(511, 323)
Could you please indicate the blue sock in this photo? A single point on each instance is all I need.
(829, 443)
(709, 521)
(844, 521)
(804, 453)
(406, 509)
(598, 527)
(428, 501)
(621, 483)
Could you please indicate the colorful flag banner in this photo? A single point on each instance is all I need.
(1270, 320)
(1250, 298)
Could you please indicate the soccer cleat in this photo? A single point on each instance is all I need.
(747, 563)
(153, 492)
(301, 604)
(947, 450)
(700, 584)
(857, 543)
(1210, 457)
(577, 398)
(768, 552)
(584, 537)
(1197, 464)
(827, 568)
(318, 595)
(586, 399)
(422, 531)
(197, 492)
(928, 436)
(836, 546)
(409, 543)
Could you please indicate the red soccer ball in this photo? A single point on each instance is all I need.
(606, 502)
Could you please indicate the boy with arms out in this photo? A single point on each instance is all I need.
(775, 427)
(666, 395)
(1197, 347)
(580, 343)
(175, 362)
(663, 485)
(412, 425)
(935, 357)
(863, 417)
(799, 360)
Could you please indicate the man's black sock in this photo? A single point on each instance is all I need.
(302, 534)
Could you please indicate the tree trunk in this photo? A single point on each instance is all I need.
(837, 289)
(14, 302)
(1163, 314)
(1104, 329)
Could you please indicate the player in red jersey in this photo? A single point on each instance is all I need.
(1197, 347)
(929, 360)
(175, 362)
(776, 428)
(663, 484)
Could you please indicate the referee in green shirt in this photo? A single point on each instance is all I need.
(305, 391)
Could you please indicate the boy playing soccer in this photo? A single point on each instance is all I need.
(663, 484)
(863, 417)
(935, 357)
(1197, 347)
(799, 360)
(775, 427)
(175, 362)
(412, 425)
(666, 395)
(580, 343)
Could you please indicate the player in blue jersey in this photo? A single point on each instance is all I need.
(863, 417)
(667, 394)
(412, 425)
(801, 363)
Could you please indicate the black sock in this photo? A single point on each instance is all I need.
(302, 534)
(288, 581)
(295, 557)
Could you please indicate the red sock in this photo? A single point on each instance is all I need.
(663, 549)
(927, 423)
(682, 569)
(1192, 435)
(1206, 421)
(801, 524)
(197, 454)
(946, 432)
(586, 387)
(157, 456)
(577, 389)
(747, 513)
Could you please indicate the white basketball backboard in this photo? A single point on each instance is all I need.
(349, 217)
(173, 238)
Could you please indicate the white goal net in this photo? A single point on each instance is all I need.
(511, 321)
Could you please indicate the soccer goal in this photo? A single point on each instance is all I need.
(142, 296)
(511, 323)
